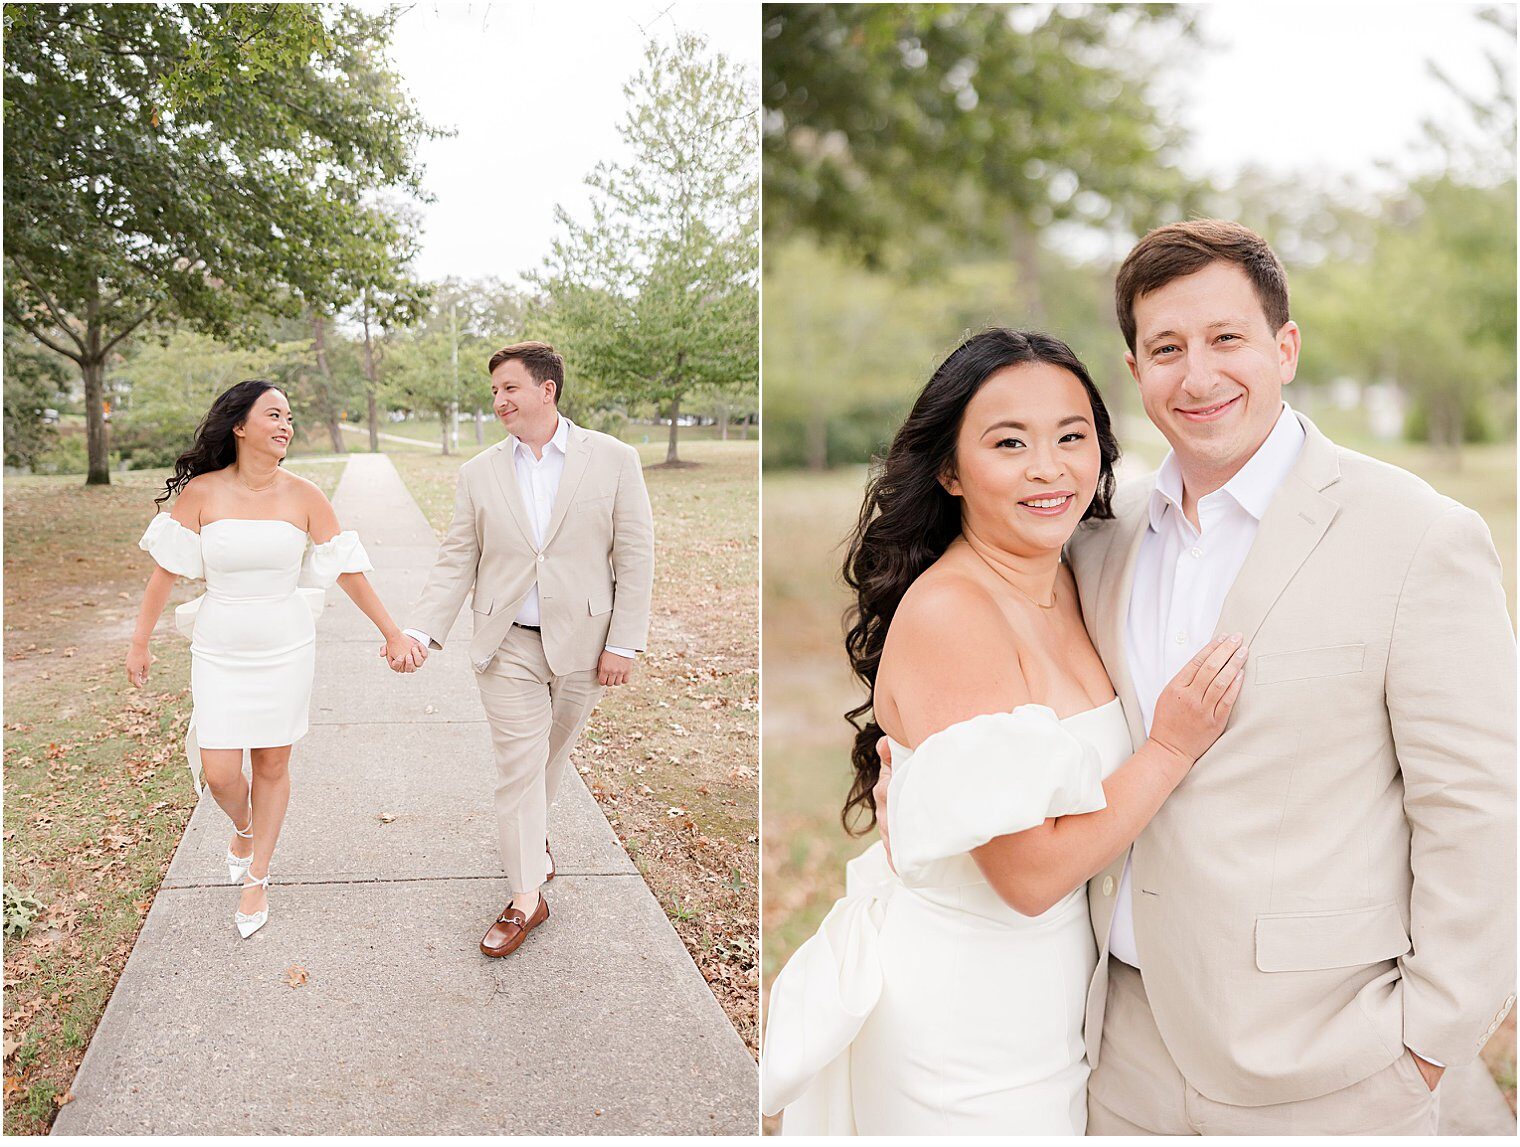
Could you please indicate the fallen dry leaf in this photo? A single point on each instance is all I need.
(295, 976)
(387, 817)
(65, 1099)
(12, 1046)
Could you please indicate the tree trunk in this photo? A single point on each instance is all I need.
(1446, 425)
(1026, 257)
(744, 429)
(480, 428)
(329, 407)
(99, 472)
(817, 446)
(93, 366)
(723, 421)
(443, 425)
(671, 457)
(370, 382)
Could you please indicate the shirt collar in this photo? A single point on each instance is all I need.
(560, 441)
(1253, 485)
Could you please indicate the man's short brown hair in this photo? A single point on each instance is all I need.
(542, 362)
(1180, 249)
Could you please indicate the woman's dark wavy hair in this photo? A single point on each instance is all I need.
(215, 446)
(908, 518)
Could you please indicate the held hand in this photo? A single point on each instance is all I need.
(1429, 1072)
(613, 669)
(403, 654)
(1193, 709)
(138, 661)
(879, 795)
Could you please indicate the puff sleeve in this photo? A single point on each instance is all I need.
(174, 547)
(340, 555)
(992, 775)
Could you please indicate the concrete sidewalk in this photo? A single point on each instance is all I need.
(385, 879)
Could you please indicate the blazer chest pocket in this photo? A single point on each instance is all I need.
(1327, 661)
(599, 603)
(1314, 941)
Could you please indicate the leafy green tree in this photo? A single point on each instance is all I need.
(421, 375)
(905, 131)
(35, 382)
(171, 383)
(480, 316)
(203, 163)
(656, 296)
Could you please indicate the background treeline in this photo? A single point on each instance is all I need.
(933, 169)
(197, 194)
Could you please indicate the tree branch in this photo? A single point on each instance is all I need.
(52, 307)
(32, 330)
(129, 328)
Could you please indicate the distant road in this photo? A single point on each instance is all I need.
(393, 437)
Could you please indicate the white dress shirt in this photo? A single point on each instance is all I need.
(538, 479)
(1182, 576)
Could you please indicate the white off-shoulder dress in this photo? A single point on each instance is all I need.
(253, 633)
(924, 1004)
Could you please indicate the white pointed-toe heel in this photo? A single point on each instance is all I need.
(237, 866)
(248, 925)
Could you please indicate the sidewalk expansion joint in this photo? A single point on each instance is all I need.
(298, 881)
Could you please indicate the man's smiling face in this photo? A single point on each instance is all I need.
(1210, 368)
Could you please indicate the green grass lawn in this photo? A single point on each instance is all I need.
(807, 683)
(672, 758)
(96, 790)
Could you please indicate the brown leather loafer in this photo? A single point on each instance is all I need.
(511, 928)
(550, 855)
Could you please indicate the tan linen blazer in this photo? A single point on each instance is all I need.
(595, 569)
(1335, 879)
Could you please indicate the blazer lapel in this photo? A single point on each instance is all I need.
(576, 457)
(1115, 583)
(1295, 521)
(504, 464)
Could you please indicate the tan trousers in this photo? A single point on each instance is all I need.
(535, 718)
(1136, 1089)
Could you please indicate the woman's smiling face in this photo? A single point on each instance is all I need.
(1027, 459)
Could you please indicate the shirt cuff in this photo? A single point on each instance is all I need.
(418, 635)
(1427, 1059)
(628, 653)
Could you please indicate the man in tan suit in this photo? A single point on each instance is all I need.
(552, 530)
(1322, 916)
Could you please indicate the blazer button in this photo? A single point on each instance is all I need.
(1108, 886)
(540, 557)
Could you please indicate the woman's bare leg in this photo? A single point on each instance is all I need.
(223, 770)
(271, 795)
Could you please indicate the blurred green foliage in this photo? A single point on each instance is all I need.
(901, 132)
(902, 215)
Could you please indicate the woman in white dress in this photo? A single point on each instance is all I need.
(947, 996)
(242, 522)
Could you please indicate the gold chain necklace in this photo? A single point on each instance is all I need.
(1009, 581)
(276, 478)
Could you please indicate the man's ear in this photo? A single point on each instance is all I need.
(1289, 343)
(1134, 367)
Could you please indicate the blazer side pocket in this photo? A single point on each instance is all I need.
(1327, 661)
(481, 605)
(599, 603)
(1314, 941)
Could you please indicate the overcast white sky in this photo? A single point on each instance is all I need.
(533, 88)
(1331, 86)
(534, 91)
